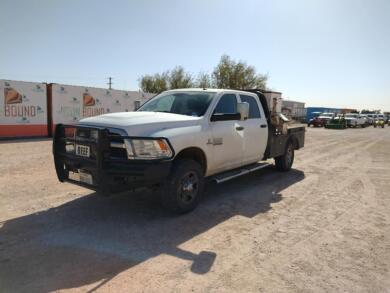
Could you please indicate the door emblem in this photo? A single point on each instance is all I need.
(215, 141)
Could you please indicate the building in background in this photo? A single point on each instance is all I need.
(346, 111)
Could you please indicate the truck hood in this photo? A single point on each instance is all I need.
(141, 123)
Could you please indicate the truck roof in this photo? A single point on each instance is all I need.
(211, 90)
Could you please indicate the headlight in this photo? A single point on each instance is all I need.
(145, 149)
(69, 147)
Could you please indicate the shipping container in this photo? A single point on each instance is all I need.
(23, 109)
(72, 103)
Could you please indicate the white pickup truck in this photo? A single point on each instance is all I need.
(175, 142)
(355, 120)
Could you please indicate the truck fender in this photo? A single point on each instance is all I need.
(193, 153)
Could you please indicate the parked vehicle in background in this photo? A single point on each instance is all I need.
(316, 121)
(338, 122)
(325, 117)
(355, 120)
(380, 117)
(369, 120)
(312, 112)
(175, 141)
(379, 123)
(366, 120)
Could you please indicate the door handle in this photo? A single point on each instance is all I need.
(263, 125)
(239, 128)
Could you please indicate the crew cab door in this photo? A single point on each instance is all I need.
(226, 136)
(255, 132)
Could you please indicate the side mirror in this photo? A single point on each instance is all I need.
(243, 109)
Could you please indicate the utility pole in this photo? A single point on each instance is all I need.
(110, 83)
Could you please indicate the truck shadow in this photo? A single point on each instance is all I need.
(12, 140)
(92, 239)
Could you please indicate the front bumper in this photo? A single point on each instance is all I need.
(109, 172)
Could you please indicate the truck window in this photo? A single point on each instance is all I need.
(226, 105)
(254, 111)
(184, 103)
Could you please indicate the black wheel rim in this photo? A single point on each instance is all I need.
(188, 187)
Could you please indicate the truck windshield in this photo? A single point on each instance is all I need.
(184, 103)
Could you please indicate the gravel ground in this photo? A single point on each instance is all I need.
(323, 227)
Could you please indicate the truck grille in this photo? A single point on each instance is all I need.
(117, 147)
(89, 137)
(80, 136)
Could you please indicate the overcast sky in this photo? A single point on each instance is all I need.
(332, 53)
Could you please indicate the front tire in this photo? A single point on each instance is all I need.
(183, 189)
(284, 163)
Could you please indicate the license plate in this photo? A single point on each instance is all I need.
(81, 177)
(82, 150)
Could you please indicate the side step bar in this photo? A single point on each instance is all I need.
(238, 172)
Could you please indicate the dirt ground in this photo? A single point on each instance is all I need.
(323, 227)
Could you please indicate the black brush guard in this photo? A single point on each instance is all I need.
(109, 174)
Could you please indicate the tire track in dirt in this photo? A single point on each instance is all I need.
(346, 195)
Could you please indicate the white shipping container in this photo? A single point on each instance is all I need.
(72, 103)
(23, 109)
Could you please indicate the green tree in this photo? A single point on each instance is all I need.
(179, 79)
(156, 83)
(203, 80)
(228, 74)
(237, 75)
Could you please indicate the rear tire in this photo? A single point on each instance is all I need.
(284, 163)
(183, 189)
